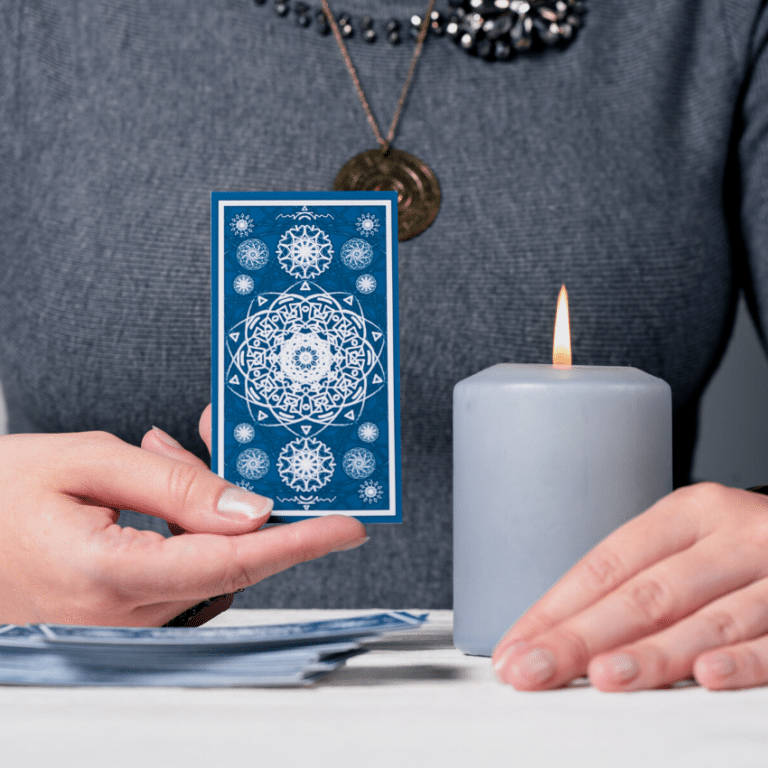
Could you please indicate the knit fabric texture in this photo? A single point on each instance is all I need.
(631, 165)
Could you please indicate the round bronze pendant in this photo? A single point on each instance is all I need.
(418, 192)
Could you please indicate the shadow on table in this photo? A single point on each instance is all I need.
(391, 675)
(429, 638)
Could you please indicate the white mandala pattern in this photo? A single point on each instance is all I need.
(358, 463)
(367, 224)
(371, 491)
(241, 224)
(304, 251)
(366, 284)
(252, 254)
(306, 464)
(253, 463)
(368, 432)
(305, 361)
(243, 284)
(244, 433)
(356, 253)
(306, 357)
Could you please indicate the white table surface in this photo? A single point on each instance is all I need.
(412, 700)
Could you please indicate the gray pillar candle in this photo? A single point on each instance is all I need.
(548, 460)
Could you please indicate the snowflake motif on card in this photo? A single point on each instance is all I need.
(244, 433)
(253, 463)
(252, 254)
(305, 359)
(241, 224)
(367, 224)
(306, 464)
(366, 284)
(356, 253)
(358, 463)
(245, 485)
(368, 432)
(371, 491)
(304, 251)
(243, 284)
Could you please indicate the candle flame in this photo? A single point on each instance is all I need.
(561, 347)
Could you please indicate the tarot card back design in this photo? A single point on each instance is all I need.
(306, 406)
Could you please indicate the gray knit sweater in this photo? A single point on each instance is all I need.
(632, 165)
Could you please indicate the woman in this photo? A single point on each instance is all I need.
(628, 161)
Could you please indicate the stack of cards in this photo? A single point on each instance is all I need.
(276, 655)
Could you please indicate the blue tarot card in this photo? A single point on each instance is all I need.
(306, 402)
(269, 635)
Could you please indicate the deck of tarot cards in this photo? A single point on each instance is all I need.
(203, 657)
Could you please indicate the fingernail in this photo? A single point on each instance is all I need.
(537, 666)
(516, 646)
(352, 545)
(166, 438)
(241, 506)
(621, 668)
(720, 664)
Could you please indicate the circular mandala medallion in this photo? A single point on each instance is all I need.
(243, 284)
(366, 284)
(304, 251)
(306, 464)
(253, 463)
(253, 253)
(356, 253)
(358, 463)
(305, 358)
(244, 433)
(418, 191)
(368, 432)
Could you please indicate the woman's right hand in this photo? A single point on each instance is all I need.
(65, 560)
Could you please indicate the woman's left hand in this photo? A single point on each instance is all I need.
(680, 591)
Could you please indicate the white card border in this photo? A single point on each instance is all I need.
(393, 452)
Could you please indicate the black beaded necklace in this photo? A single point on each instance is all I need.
(494, 30)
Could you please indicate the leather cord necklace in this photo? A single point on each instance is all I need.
(387, 168)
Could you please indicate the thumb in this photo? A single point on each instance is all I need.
(205, 426)
(104, 469)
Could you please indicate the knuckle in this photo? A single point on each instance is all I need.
(240, 577)
(758, 535)
(604, 569)
(724, 627)
(85, 445)
(702, 496)
(301, 548)
(538, 620)
(98, 437)
(578, 648)
(754, 665)
(182, 481)
(651, 601)
(241, 572)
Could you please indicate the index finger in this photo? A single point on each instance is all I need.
(197, 565)
(668, 527)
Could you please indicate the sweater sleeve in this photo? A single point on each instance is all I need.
(10, 32)
(748, 193)
(10, 44)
